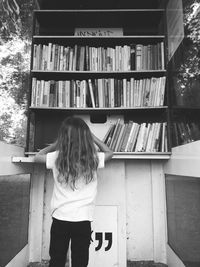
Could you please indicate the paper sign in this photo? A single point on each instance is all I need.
(98, 31)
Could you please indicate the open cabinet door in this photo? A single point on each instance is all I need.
(182, 177)
(14, 208)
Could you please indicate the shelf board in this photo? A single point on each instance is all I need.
(126, 37)
(98, 72)
(138, 10)
(84, 75)
(90, 109)
(142, 155)
(50, 4)
(117, 155)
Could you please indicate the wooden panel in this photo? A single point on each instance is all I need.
(36, 214)
(159, 212)
(104, 248)
(20, 260)
(184, 160)
(139, 211)
(172, 259)
(183, 215)
(146, 218)
(14, 210)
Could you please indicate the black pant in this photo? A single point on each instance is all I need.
(61, 233)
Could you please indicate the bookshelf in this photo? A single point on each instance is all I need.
(104, 77)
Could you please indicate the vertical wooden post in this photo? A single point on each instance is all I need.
(159, 212)
(36, 213)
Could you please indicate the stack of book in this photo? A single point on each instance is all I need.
(99, 93)
(55, 57)
(135, 137)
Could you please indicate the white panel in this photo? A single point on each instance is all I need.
(172, 259)
(111, 191)
(20, 260)
(47, 220)
(184, 160)
(139, 211)
(104, 248)
(159, 212)
(36, 213)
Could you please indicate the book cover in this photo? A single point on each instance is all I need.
(129, 137)
(139, 143)
(134, 138)
(120, 138)
(109, 139)
(105, 138)
(127, 133)
(115, 134)
(138, 57)
(33, 92)
(119, 149)
(132, 56)
(91, 93)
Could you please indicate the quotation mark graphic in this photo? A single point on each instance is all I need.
(99, 238)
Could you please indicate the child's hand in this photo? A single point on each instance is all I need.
(103, 147)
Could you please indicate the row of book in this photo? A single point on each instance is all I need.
(135, 137)
(185, 132)
(54, 57)
(99, 93)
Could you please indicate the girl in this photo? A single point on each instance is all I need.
(74, 161)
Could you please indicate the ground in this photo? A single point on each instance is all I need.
(129, 264)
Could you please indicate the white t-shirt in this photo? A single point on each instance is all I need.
(73, 205)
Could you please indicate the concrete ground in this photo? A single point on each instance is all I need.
(129, 264)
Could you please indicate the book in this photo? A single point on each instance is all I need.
(126, 136)
(124, 128)
(138, 56)
(129, 137)
(115, 134)
(119, 140)
(104, 140)
(91, 93)
(131, 147)
(139, 143)
(132, 56)
(109, 139)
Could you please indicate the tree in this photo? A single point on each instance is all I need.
(15, 45)
(187, 58)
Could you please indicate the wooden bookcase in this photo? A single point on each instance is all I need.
(140, 26)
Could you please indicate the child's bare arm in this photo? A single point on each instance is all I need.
(103, 147)
(40, 157)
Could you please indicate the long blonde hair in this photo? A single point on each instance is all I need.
(77, 155)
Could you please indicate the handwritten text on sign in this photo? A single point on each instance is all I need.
(98, 31)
